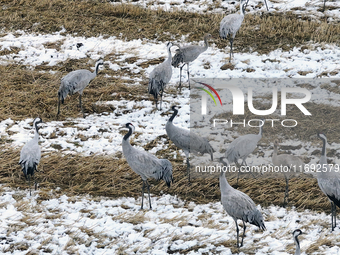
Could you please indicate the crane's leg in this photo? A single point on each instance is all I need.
(29, 184)
(285, 200)
(265, 1)
(142, 194)
(156, 100)
(58, 108)
(246, 4)
(180, 78)
(238, 174)
(324, 5)
(35, 184)
(244, 163)
(148, 186)
(188, 74)
(160, 105)
(237, 234)
(81, 106)
(231, 47)
(244, 231)
(188, 168)
(334, 215)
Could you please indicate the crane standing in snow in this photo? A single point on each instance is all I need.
(76, 81)
(241, 147)
(188, 54)
(296, 233)
(293, 163)
(186, 140)
(230, 24)
(239, 206)
(329, 181)
(30, 155)
(145, 164)
(160, 77)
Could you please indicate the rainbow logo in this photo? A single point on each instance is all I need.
(209, 93)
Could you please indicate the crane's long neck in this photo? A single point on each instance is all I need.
(206, 43)
(127, 136)
(323, 153)
(169, 55)
(224, 185)
(260, 132)
(275, 150)
(297, 243)
(323, 158)
(242, 8)
(173, 115)
(96, 68)
(36, 133)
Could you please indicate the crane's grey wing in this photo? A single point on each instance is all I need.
(166, 173)
(178, 58)
(330, 185)
(144, 163)
(29, 158)
(241, 147)
(289, 161)
(74, 82)
(187, 54)
(200, 144)
(241, 206)
(158, 78)
(230, 25)
(179, 136)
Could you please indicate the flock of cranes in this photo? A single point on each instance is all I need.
(236, 203)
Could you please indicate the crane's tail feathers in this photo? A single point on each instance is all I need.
(211, 152)
(61, 96)
(209, 149)
(28, 169)
(177, 59)
(334, 200)
(232, 155)
(255, 217)
(153, 88)
(167, 172)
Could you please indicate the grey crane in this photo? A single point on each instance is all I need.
(160, 77)
(186, 140)
(265, 1)
(241, 147)
(291, 162)
(329, 181)
(30, 154)
(296, 233)
(188, 54)
(239, 206)
(76, 81)
(145, 164)
(230, 24)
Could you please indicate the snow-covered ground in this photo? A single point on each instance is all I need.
(106, 226)
(303, 7)
(276, 64)
(86, 225)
